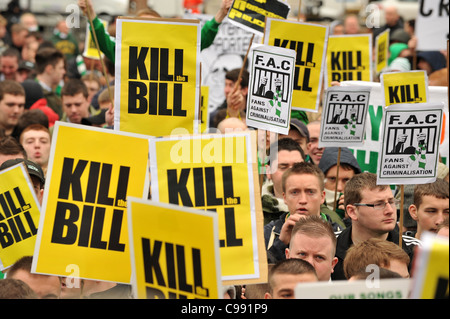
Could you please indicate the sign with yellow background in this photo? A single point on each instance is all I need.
(382, 51)
(404, 87)
(91, 173)
(349, 58)
(216, 173)
(157, 76)
(19, 215)
(310, 43)
(174, 251)
(204, 109)
(431, 268)
(90, 49)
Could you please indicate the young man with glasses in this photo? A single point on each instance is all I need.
(373, 211)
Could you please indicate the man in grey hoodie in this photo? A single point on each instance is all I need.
(348, 167)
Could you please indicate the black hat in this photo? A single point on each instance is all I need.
(300, 127)
(32, 168)
(329, 159)
(96, 119)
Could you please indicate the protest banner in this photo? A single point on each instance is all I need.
(174, 251)
(367, 155)
(270, 89)
(431, 28)
(371, 288)
(158, 77)
(224, 54)
(344, 116)
(90, 48)
(349, 58)
(310, 43)
(382, 51)
(19, 215)
(251, 14)
(218, 173)
(83, 218)
(431, 268)
(204, 109)
(409, 152)
(404, 87)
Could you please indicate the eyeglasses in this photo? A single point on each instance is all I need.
(382, 205)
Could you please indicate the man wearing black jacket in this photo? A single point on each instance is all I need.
(373, 211)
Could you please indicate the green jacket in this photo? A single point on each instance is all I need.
(107, 43)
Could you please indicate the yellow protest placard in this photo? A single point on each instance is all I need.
(310, 43)
(90, 49)
(84, 222)
(19, 215)
(404, 87)
(204, 109)
(157, 76)
(174, 251)
(382, 51)
(217, 173)
(349, 58)
(431, 268)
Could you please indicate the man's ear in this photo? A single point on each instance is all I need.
(267, 296)
(413, 212)
(351, 212)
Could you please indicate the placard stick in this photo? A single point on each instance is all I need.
(299, 9)
(402, 194)
(337, 178)
(238, 82)
(100, 55)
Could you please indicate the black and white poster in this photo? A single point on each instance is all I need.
(344, 116)
(270, 89)
(409, 151)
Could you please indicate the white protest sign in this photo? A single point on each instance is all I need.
(367, 155)
(432, 25)
(270, 88)
(409, 151)
(344, 116)
(358, 289)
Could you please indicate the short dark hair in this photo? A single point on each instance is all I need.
(15, 289)
(47, 56)
(73, 87)
(354, 187)
(293, 266)
(438, 189)
(23, 263)
(11, 87)
(233, 75)
(285, 144)
(303, 168)
(11, 146)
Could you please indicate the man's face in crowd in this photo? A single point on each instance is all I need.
(76, 107)
(313, 146)
(285, 161)
(318, 251)
(303, 194)
(430, 213)
(11, 108)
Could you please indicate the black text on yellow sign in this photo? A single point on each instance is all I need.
(205, 195)
(148, 87)
(303, 63)
(174, 265)
(94, 204)
(16, 223)
(346, 66)
(408, 93)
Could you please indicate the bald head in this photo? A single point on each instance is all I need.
(231, 124)
(391, 14)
